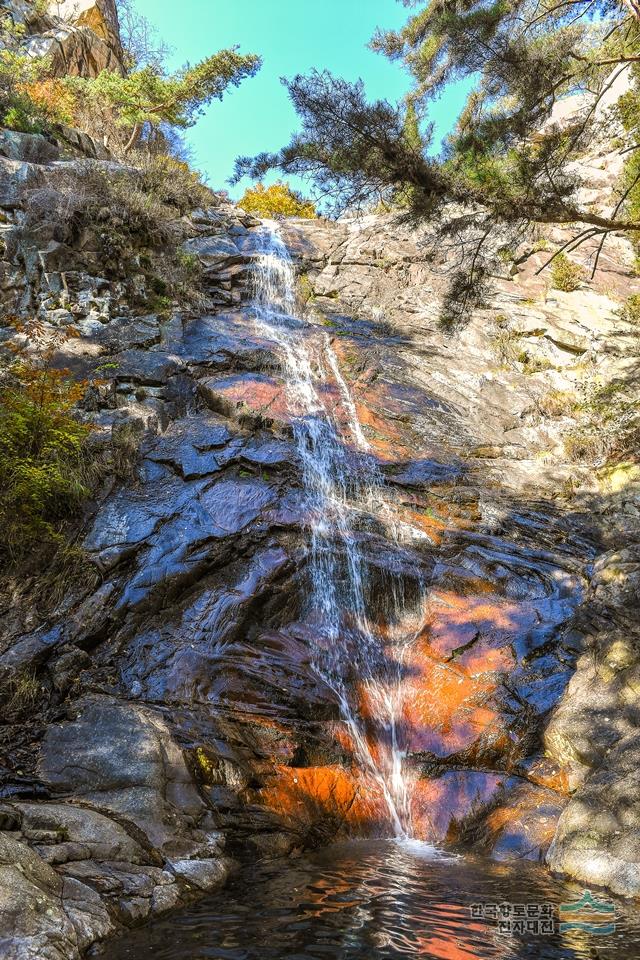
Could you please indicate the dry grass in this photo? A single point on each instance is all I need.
(557, 403)
(21, 694)
(134, 219)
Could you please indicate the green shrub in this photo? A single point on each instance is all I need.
(533, 364)
(147, 97)
(540, 245)
(587, 444)
(44, 470)
(631, 310)
(172, 183)
(566, 274)
(305, 288)
(506, 344)
(611, 427)
(30, 100)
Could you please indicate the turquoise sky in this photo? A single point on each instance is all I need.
(291, 36)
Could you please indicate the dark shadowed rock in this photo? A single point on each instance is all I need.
(122, 758)
(165, 667)
(27, 147)
(422, 473)
(519, 823)
(189, 446)
(228, 340)
(144, 366)
(214, 249)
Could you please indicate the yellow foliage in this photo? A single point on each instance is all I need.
(277, 200)
(52, 100)
(205, 764)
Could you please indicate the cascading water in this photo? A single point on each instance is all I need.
(344, 492)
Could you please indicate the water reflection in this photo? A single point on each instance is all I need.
(371, 900)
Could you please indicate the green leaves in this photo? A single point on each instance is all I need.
(148, 96)
(209, 79)
(18, 72)
(43, 472)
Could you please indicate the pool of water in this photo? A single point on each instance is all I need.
(377, 899)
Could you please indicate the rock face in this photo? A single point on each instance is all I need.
(182, 720)
(179, 718)
(595, 733)
(80, 37)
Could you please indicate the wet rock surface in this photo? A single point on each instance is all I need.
(537, 563)
(182, 721)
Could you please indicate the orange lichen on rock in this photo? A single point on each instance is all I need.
(369, 417)
(455, 621)
(433, 526)
(547, 773)
(442, 714)
(305, 796)
(253, 394)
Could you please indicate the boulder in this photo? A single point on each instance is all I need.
(27, 147)
(600, 707)
(101, 16)
(520, 824)
(597, 841)
(34, 924)
(616, 578)
(122, 758)
(203, 874)
(82, 40)
(75, 51)
(63, 832)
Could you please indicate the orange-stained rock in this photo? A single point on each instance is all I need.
(547, 773)
(248, 395)
(331, 798)
(387, 449)
(433, 526)
(371, 419)
(456, 621)
(442, 707)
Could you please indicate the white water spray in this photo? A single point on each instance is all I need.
(343, 489)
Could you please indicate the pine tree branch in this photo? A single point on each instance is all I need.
(634, 7)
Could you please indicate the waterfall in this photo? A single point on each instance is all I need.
(344, 494)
